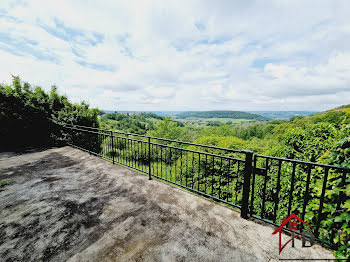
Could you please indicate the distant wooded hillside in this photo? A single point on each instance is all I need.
(222, 114)
(282, 114)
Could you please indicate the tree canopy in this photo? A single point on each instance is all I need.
(28, 114)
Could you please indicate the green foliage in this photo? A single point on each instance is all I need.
(138, 123)
(339, 156)
(218, 141)
(145, 115)
(308, 143)
(223, 130)
(253, 130)
(27, 115)
(168, 129)
(214, 123)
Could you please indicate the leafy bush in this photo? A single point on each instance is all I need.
(28, 115)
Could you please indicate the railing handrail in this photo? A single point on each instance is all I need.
(213, 147)
(168, 146)
(304, 162)
(159, 138)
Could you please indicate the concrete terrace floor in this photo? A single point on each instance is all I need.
(63, 204)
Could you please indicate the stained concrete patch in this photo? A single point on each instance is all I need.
(64, 204)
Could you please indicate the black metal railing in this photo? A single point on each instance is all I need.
(314, 192)
(264, 187)
(214, 172)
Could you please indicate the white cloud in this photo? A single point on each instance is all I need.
(182, 55)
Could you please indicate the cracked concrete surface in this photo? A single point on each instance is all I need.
(63, 204)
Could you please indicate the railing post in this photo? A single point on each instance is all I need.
(246, 183)
(113, 152)
(149, 159)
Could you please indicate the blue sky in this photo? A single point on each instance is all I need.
(182, 55)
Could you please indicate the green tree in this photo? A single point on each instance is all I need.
(28, 115)
(168, 129)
